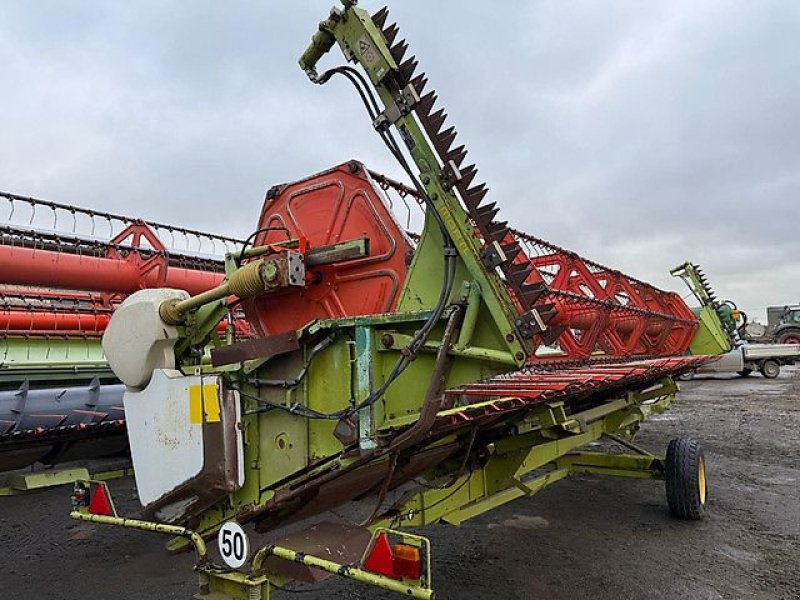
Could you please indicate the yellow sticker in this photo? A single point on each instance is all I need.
(204, 402)
(195, 404)
(211, 402)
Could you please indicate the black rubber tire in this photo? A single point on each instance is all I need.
(788, 336)
(770, 368)
(685, 478)
(745, 372)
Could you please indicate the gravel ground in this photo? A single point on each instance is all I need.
(584, 537)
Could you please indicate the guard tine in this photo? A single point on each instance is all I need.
(487, 212)
(546, 312)
(510, 249)
(398, 51)
(390, 33)
(446, 139)
(531, 292)
(551, 334)
(379, 18)
(467, 175)
(498, 235)
(425, 104)
(457, 155)
(474, 195)
(437, 119)
(518, 273)
(419, 82)
(498, 230)
(512, 253)
(408, 67)
(518, 269)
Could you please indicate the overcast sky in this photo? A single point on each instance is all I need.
(639, 134)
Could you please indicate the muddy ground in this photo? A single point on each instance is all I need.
(585, 537)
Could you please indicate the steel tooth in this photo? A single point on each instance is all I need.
(446, 139)
(498, 235)
(551, 334)
(419, 82)
(437, 119)
(467, 175)
(390, 33)
(517, 269)
(511, 250)
(494, 227)
(425, 104)
(457, 155)
(398, 51)
(408, 67)
(379, 18)
(474, 195)
(518, 273)
(546, 312)
(487, 212)
(531, 292)
(512, 254)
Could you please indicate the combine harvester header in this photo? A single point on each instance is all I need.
(434, 378)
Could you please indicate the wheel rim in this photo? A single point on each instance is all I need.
(701, 479)
(772, 369)
(792, 338)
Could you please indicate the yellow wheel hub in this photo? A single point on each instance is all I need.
(701, 480)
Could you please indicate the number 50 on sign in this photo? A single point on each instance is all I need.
(234, 547)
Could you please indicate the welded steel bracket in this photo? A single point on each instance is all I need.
(23, 483)
(404, 104)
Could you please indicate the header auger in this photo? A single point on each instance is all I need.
(437, 377)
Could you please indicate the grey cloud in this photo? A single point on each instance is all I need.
(639, 134)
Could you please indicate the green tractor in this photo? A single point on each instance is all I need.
(783, 326)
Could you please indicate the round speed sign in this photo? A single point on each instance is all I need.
(233, 544)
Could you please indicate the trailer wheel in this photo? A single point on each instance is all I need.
(745, 372)
(685, 477)
(770, 369)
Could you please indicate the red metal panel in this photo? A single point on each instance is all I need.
(338, 205)
(603, 310)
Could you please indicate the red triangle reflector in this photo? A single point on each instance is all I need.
(99, 504)
(381, 559)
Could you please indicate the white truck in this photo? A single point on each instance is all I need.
(738, 355)
(767, 359)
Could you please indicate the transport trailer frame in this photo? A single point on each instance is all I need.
(547, 445)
